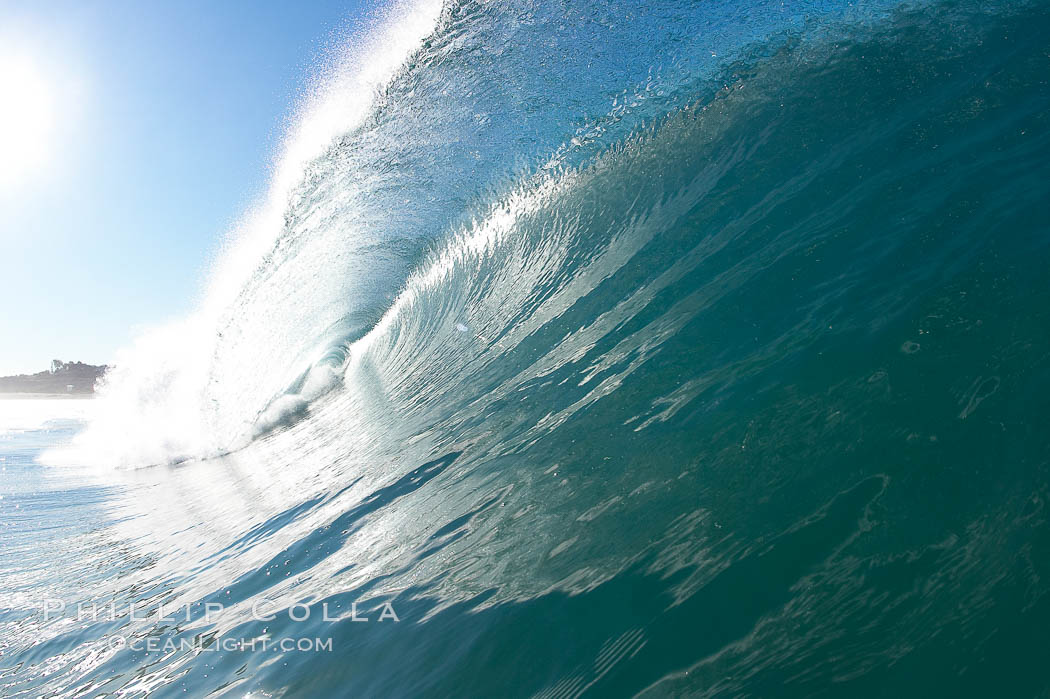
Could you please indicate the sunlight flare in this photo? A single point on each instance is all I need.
(26, 119)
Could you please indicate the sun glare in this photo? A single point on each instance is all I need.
(26, 119)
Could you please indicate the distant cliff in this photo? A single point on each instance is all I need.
(62, 377)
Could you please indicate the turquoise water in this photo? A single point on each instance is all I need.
(686, 350)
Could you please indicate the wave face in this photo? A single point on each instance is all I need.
(428, 126)
(668, 350)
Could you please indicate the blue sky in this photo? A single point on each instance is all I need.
(157, 129)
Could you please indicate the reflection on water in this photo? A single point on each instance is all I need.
(33, 413)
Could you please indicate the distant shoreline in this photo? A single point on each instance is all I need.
(62, 380)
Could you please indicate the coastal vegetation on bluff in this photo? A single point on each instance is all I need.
(62, 377)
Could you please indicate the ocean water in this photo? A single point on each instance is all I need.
(586, 349)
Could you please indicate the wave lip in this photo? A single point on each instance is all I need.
(195, 387)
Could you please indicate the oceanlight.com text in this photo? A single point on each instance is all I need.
(228, 645)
